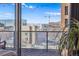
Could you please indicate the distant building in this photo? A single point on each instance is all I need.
(51, 26)
(54, 26)
(28, 37)
(1, 27)
(9, 28)
(44, 27)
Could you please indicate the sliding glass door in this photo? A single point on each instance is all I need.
(40, 28)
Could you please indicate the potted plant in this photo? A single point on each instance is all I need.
(71, 39)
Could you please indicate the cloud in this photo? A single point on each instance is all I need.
(13, 4)
(4, 15)
(27, 6)
(31, 7)
(53, 13)
(8, 13)
(23, 4)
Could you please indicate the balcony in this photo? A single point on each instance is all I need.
(33, 42)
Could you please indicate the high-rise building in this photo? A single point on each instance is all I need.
(65, 16)
(69, 12)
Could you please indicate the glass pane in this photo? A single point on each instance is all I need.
(7, 28)
(38, 22)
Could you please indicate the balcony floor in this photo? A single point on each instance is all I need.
(31, 52)
(40, 52)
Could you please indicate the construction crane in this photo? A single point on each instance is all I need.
(49, 18)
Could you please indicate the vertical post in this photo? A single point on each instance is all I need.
(14, 42)
(30, 35)
(18, 28)
(47, 41)
(69, 19)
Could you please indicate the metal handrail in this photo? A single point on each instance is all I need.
(32, 31)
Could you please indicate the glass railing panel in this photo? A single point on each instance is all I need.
(54, 39)
(8, 37)
(38, 39)
(35, 40)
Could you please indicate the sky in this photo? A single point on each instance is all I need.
(33, 12)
